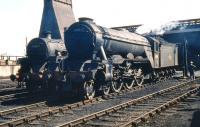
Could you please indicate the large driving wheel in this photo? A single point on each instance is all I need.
(116, 85)
(139, 77)
(129, 83)
(89, 91)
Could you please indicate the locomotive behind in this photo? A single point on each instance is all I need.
(40, 52)
(104, 60)
(43, 51)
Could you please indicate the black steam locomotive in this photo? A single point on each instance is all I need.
(40, 53)
(102, 59)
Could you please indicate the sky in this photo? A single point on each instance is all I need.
(21, 18)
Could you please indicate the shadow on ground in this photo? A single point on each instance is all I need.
(196, 117)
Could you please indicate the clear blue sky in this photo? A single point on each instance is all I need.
(21, 18)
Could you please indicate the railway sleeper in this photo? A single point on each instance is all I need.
(100, 123)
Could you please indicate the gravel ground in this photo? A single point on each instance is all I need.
(88, 109)
(185, 114)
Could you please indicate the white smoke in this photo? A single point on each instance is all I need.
(158, 28)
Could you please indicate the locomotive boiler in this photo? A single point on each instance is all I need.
(102, 59)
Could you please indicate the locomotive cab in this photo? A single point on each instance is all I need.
(155, 46)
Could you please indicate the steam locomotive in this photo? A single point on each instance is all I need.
(104, 60)
(40, 53)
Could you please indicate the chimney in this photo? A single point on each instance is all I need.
(57, 14)
(85, 19)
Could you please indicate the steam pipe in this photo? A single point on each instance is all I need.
(185, 73)
(103, 53)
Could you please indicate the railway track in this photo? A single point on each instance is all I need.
(12, 90)
(135, 111)
(44, 103)
(40, 110)
(20, 95)
(14, 96)
(50, 111)
(180, 115)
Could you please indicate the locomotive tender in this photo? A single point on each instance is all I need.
(102, 59)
